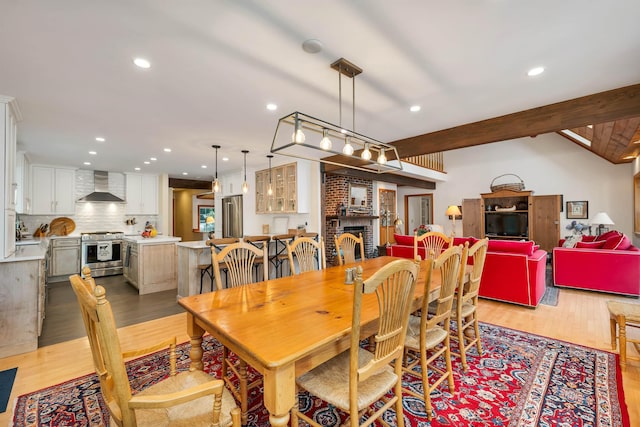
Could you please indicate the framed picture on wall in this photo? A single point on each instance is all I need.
(578, 210)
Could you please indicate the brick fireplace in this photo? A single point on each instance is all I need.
(336, 193)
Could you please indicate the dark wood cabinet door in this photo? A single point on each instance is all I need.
(545, 221)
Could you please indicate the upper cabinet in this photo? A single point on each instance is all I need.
(288, 194)
(52, 190)
(142, 194)
(23, 200)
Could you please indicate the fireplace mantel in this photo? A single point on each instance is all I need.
(353, 217)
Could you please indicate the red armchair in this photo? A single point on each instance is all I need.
(514, 271)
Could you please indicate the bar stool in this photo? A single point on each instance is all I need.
(280, 255)
(217, 245)
(624, 314)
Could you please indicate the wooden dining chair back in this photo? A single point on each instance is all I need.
(356, 379)
(464, 311)
(428, 335)
(239, 259)
(259, 242)
(308, 253)
(207, 269)
(346, 246)
(203, 400)
(433, 243)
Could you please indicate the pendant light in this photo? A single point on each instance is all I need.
(382, 158)
(366, 154)
(245, 184)
(216, 183)
(270, 188)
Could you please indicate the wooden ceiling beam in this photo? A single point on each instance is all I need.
(601, 107)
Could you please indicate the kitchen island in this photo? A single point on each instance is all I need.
(22, 296)
(150, 263)
(190, 255)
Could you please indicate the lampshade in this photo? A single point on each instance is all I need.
(302, 136)
(602, 218)
(397, 222)
(453, 210)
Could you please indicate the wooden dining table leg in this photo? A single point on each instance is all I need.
(195, 332)
(280, 394)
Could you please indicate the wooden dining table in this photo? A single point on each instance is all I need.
(287, 326)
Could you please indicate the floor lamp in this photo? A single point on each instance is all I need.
(453, 211)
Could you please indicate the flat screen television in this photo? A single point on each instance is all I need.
(506, 224)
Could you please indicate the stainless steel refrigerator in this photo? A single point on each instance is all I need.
(232, 216)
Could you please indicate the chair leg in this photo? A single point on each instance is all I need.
(462, 344)
(447, 358)
(476, 328)
(622, 331)
(612, 324)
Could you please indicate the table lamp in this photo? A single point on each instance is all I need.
(209, 224)
(601, 219)
(453, 211)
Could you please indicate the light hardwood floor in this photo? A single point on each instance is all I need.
(580, 317)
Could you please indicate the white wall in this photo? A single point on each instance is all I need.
(548, 164)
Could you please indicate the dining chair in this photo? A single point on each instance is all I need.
(464, 311)
(207, 269)
(309, 254)
(259, 242)
(346, 245)
(431, 333)
(357, 378)
(239, 259)
(191, 398)
(433, 243)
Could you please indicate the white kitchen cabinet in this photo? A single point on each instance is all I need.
(23, 201)
(9, 117)
(65, 257)
(142, 194)
(52, 190)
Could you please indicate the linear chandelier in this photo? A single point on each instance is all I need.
(303, 136)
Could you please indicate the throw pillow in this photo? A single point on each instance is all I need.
(590, 245)
(608, 235)
(624, 244)
(615, 241)
(525, 248)
(570, 242)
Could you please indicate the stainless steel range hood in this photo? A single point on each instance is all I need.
(101, 190)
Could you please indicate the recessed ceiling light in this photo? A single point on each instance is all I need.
(93, 153)
(203, 166)
(142, 63)
(167, 150)
(185, 173)
(225, 159)
(87, 163)
(535, 71)
(136, 169)
(153, 159)
(99, 139)
(590, 126)
(414, 108)
(272, 107)
(146, 162)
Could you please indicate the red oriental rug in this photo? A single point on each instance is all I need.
(521, 380)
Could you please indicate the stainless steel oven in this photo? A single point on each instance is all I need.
(102, 252)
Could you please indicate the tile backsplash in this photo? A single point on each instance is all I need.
(96, 216)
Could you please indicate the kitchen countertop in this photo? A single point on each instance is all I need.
(152, 240)
(29, 252)
(196, 244)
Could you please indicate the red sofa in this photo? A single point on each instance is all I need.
(514, 271)
(607, 263)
